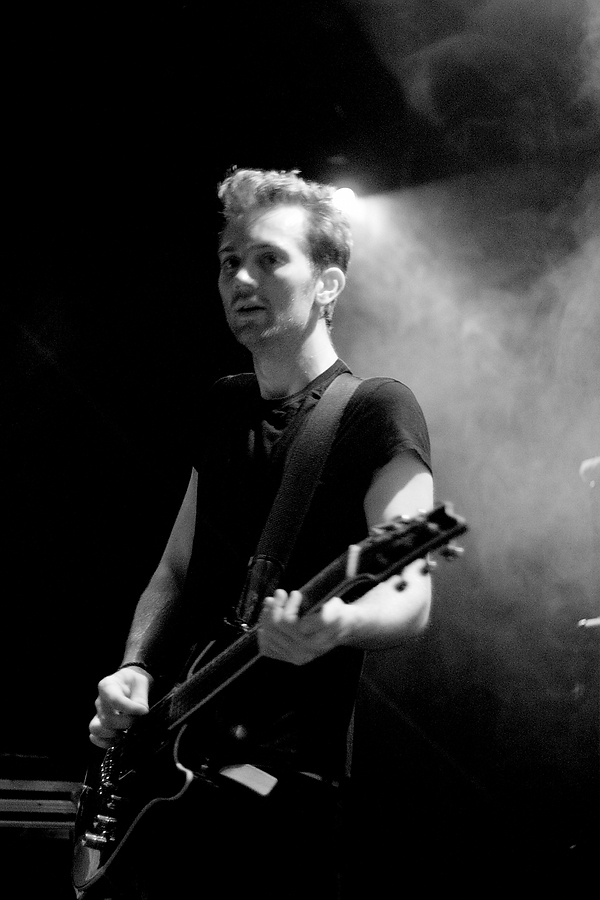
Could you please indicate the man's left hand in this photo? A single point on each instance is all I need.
(285, 636)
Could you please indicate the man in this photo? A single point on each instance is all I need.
(283, 252)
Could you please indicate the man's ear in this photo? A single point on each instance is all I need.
(330, 285)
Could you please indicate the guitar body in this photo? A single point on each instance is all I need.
(123, 793)
(127, 792)
(209, 722)
(114, 805)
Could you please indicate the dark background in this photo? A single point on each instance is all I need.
(119, 123)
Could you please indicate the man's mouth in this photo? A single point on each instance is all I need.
(246, 306)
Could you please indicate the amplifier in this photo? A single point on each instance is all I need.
(40, 808)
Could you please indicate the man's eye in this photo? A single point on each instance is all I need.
(269, 260)
(228, 264)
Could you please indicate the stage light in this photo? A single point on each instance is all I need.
(345, 199)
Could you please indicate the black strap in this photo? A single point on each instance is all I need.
(305, 461)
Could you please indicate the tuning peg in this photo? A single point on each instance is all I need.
(428, 567)
(451, 551)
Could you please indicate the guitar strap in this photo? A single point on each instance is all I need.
(305, 461)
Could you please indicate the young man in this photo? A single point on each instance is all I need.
(284, 252)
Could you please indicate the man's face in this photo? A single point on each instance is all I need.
(266, 281)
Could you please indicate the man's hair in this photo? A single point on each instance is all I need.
(329, 239)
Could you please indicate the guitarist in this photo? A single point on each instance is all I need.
(272, 830)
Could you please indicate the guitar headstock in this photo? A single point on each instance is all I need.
(385, 552)
(393, 545)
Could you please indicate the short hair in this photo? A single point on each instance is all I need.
(329, 238)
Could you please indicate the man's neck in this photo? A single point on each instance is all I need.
(282, 371)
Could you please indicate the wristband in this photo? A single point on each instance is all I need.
(139, 665)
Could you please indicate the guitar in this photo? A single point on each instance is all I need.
(118, 793)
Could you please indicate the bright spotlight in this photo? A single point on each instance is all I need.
(345, 199)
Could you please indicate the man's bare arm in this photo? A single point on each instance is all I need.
(124, 695)
(383, 616)
(156, 605)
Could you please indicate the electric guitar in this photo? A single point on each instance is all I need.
(122, 788)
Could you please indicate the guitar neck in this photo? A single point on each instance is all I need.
(214, 677)
(389, 550)
(236, 658)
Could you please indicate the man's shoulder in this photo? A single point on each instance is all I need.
(234, 389)
(383, 389)
(384, 405)
(221, 399)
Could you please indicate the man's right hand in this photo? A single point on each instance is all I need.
(121, 697)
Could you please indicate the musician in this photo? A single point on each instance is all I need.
(284, 253)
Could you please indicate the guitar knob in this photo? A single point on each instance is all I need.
(94, 840)
(106, 821)
(114, 802)
(102, 831)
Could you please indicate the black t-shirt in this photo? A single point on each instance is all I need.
(240, 452)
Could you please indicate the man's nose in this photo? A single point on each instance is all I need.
(244, 276)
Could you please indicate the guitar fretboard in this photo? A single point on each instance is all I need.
(212, 678)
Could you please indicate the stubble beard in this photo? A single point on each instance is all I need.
(283, 330)
(280, 333)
